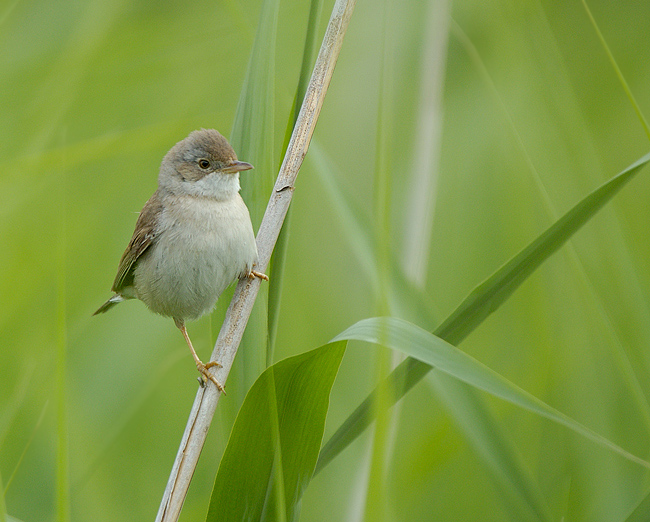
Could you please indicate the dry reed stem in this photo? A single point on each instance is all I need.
(241, 305)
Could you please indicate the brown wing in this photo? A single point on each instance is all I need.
(143, 237)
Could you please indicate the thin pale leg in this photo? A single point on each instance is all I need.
(203, 368)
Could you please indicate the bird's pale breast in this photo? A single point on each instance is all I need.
(201, 246)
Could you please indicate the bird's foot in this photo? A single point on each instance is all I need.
(206, 375)
(253, 274)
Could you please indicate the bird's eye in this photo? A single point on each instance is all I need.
(204, 164)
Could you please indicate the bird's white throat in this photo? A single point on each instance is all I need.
(216, 185)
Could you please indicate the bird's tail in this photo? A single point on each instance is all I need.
(117, 298)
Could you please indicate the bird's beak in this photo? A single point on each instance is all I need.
(236, 166)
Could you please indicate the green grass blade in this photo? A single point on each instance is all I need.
(375, 507)
(435, 352)
(246, 486)
(493, 292)
(354, 224)
(481, 302)
(27, 445)
(253, 138)
(522, 495)
(14, 404)
(619, 73)
(276, 273)
(253, 128)
(4, 517)
(276, 268)
(494, 446)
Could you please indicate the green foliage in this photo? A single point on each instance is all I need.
(436, 353)
(256, 110)
(276, 438)
(532, 117)
(484, 300)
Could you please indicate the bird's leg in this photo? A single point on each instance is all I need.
(203, 368)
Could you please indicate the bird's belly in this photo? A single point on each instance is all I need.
(194, 261)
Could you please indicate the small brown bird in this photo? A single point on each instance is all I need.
(192, 238)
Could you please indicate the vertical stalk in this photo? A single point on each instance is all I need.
(375, 508)
(241, 305)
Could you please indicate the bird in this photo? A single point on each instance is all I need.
(193, 237)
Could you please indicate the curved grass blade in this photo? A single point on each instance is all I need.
(481, 302)
(273, 447)
(435, 352)
(493, 292)
(525, 500)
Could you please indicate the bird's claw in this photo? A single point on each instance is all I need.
(253, 274)
(206, 375)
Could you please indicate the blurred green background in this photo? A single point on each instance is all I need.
(532, 118)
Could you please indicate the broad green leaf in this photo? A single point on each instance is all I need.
(481, 302)
(274, 444)
(435, 352)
